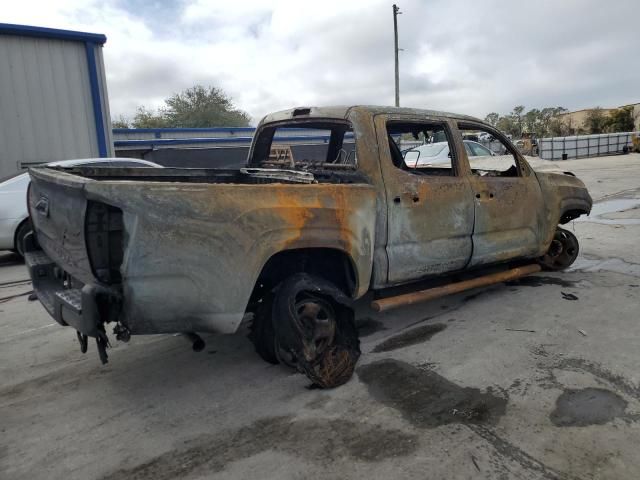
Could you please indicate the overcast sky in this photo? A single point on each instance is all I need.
(469, 57)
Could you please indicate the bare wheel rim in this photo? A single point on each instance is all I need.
(316, 318)
(563, 250)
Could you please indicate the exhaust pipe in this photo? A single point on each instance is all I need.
(197, 343)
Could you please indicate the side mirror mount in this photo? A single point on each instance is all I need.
(411, 158)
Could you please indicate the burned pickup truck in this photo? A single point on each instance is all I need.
(363, 201)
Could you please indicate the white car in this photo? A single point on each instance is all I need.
(14, 217)
(437, 154)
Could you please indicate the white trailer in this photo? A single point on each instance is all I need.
(564, 148)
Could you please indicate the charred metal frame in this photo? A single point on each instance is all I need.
(197, 243)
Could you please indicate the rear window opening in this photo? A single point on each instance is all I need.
(306, 146)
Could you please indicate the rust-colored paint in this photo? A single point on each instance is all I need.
(296, 212)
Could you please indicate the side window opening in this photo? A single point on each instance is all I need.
(306, 145)
(488, 155)
(421, 148)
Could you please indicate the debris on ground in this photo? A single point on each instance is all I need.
(569, 296)
(475, 462)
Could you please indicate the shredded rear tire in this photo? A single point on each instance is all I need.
(314, 322)
(261, 333)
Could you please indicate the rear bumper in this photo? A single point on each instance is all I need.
(68, 302)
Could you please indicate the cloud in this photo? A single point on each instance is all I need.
(464, 56)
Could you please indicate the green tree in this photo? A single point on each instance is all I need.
(145, 118)
(621, 120)
(492, 118)
(550, 123)
(518, 120)
(119, 122)
(542, 123)
(505, 124)
(532, 122)
(595, 122)
(195, 107)
(203, 107)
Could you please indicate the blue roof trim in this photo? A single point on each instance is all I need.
(44, 32)
(196, 141)
(207, 129)
(179, 141)
(168, 130)
(96, 101)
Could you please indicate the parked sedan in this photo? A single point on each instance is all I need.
(437, 154)
(14, 217)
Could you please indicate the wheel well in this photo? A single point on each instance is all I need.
(15, 234)
(331, 264)
(572, 215)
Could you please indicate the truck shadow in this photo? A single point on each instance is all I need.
(168, 363)
(155, 367)
(10, 258)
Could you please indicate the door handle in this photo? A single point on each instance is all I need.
(489, 194)
(415, 198)
(412, 194)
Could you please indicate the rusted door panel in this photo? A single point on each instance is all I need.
(429, 219)
(507, 218)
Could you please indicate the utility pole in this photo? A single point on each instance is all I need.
(396, 12)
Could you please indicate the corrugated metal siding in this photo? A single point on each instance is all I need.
(46, 112)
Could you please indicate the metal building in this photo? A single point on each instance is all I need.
(53, 97)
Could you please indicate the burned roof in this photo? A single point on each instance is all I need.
(342, 112)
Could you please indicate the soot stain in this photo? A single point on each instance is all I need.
(410, 337)
(601, 374)
(587, 406)
(427, 399)
(369, 326)
(539, 281)
(317, 440)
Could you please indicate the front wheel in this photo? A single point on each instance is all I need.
(562, 252)
(314, 325)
